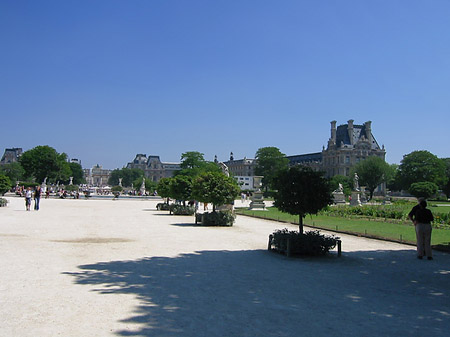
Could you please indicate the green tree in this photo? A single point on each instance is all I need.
(346, 182)
(77, 173)
(164, 188)
(5, 184)
(446, 186)
(181, 188)
(193, 163)
(44, 162)
(128, 177)
(270, 160)
(424, 189)
(14, 171)
(215, 188)
(421, 166)
(301, 191)
(372, 172)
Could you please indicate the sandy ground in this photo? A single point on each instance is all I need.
(122, 268)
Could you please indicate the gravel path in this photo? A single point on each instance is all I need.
(122, 268)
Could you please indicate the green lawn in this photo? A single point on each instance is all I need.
(403, 232)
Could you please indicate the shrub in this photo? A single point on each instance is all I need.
(5, 184)
(3, 202)
(309, 243)
(163, 206)
(181, 210)
(220, 218)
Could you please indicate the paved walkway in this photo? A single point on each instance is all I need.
(122, 268)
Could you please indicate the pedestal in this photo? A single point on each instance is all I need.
(355, 199)
(338, 198)
(257, 201)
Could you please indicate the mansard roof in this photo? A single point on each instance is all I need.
(360, 133)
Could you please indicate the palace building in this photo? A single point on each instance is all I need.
(348, 145)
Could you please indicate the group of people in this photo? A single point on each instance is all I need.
(30, 194)
(422, 217)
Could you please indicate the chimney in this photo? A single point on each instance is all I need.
(369, 131)
(350, 130)
(333, 131)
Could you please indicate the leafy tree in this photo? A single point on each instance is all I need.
(421, 166)
(128, 176)
(43, 161)
(77, 173)
(192, 159)
(392, 178)
(446, 187)
(164, 188)
(181, 188)
(372, 172)
(346, 182)
(14, 171)
(193, 164)
(269, 161)
(5, 184)
(301, 191)
(215, 188)
(424, 189)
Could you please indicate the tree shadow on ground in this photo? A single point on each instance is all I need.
(258, 293)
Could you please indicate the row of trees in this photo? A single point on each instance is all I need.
(199, 180)
(43, 162)
(420, 172)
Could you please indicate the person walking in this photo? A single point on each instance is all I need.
(37, 197)
(422, 221)
(28, 196)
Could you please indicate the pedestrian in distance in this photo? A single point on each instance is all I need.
(422, 218)
(28, 196)
(37, 197)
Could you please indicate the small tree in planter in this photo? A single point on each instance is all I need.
(301, 191)
(163, 190)
(215, 188)
(181, 189)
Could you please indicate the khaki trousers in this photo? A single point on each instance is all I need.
(423, 235)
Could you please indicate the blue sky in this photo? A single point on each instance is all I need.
(104, 80)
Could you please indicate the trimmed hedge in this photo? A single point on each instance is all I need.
(163, 206)
(310, 243)
(218, 218)
(176, 209)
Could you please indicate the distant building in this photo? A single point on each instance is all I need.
(348, 145)
(11, 155)
(154, 169)
(97, 176)
(241, 167)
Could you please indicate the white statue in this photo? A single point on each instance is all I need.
(224, 169)
(356, 182)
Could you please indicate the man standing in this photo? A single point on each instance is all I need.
(422, 218)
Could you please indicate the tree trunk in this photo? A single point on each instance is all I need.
(214, 208)
(300, 223)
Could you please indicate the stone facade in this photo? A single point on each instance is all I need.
(348, 145)
(153, 168)
(11, 155)
(97, 176)
(241, 167)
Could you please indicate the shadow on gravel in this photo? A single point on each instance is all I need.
(259, 293)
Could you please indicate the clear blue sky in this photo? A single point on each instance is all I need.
(104, 80)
